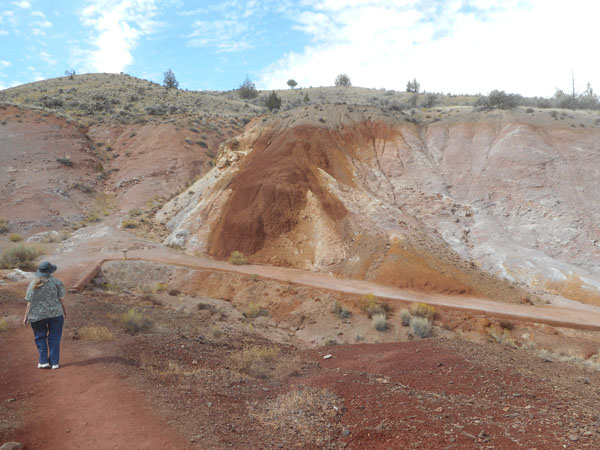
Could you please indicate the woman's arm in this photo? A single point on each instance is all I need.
(26, 313)
(63, 307)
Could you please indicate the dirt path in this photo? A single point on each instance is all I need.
(578, 316)
(81, 405)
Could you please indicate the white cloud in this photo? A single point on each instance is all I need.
(3, 33)
(37, 32)
(39, 14)
(460, 46)
(24, 4)
(47, 58)
(118, 26)
(43, 24)
(225, 35)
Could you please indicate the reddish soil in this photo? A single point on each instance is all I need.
(83, 404)
(178, 386)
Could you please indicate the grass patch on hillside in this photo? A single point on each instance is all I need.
(20, 256)
(95, 333)
(134, 322)
(3, 325)
(237, 258)
(256, 361)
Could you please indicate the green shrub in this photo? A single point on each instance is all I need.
(237, 258)
(273, 101)
(133, 321)
(20, 256)
(420, 327)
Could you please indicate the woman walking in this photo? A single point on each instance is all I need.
(46, 312)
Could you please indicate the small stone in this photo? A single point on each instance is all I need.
(328, 356)
(439, 409)
(12, 446)
(574, 437)
(345, 432)
(209, 404)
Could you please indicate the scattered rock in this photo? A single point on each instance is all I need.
(345, 432)
(12, 446)
(328, 356)
(573, 437)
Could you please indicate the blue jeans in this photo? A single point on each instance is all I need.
(47, 333)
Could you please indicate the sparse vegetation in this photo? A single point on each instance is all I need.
(130, 223)
(237, 258)
(340, 310)
(3, 226)
(216, 331)
(405, 317)
(258, 362)
(20, 256)
(273, 102)
(422, 310)
(420, 327)
(15, 237)
(342, 80)
(255, 310)
(379, 321)
(3, 325)
(413, 86)
(169, 80)
(247, 89)
(65, 161)
(95, 333)
(134, 322)
(498, 100)
(371, 305)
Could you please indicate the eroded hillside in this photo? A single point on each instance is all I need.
(444, 204)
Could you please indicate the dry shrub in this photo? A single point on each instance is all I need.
(237, 258)
(133, 322)
(95, 333)
(421, 327)
(255, 310)
(216, 331)
(371, 305)
(15, 237)
(3, 325)
(340, 310)
(258, 362)
(405, 317)
(20, 256)
(506, 324)
(3, 226)
(422, 310)
(305, 411)
(502, 337)
(379, 322)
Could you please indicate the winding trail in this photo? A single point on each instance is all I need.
(82, 405)
(580, 316)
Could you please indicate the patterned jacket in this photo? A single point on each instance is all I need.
(45, 300)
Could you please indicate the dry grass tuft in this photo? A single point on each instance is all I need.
(258, 362)
(20, 256)
(255, 310)
(422, 310)
(379, 322)
(134, 322)
(340, 310)
(3, 325)
(421, 327)
(237, 258)
(95, 333)
(372, 306)
(15, 237)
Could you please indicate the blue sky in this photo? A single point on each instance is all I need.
(459, 46)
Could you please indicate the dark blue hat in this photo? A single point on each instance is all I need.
(45, 268)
